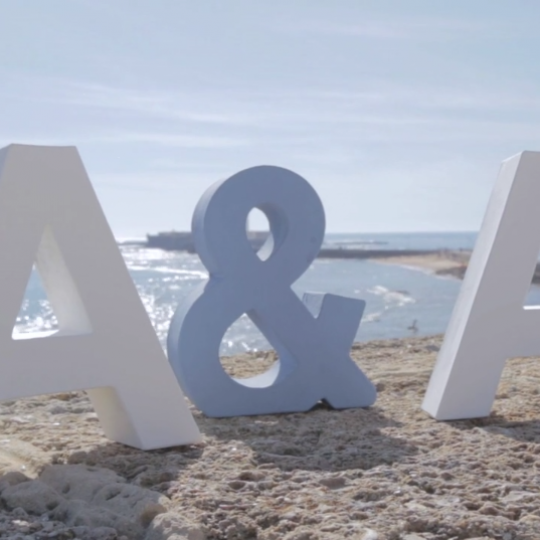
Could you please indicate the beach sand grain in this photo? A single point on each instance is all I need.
(389, 472)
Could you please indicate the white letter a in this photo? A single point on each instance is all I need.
(49, 214)
(490, 323)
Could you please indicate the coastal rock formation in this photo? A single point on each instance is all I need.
(385, 473)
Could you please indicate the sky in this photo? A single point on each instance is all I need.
(398, 113)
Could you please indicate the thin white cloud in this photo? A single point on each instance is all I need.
(438, 29)
(181, 141)
(172, 105)
(150, 103)
(379, 102)
(180, 179)
(154, 138)
(332, 126)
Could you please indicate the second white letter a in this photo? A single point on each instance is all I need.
(490, 322)
(50, 215)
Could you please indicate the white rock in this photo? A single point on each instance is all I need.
(34, 496)
(105, 489)
(79, 513)
(97, 497)
(133, 502)
(78, 481)
(12, 478)
(173, 527)
(370, 534)
(99, 533)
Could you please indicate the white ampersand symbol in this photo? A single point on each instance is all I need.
(314, 362)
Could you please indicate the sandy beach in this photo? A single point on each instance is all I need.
(444, 263)
(389, 472)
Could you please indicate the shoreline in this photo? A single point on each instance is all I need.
(452, 263)
(442, 263)
(389, 472)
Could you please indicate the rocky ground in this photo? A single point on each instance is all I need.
(388, 473)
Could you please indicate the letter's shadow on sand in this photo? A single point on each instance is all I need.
(524, 431)
(322, 439)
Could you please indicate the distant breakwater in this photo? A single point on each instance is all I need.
(346, 253)
(182, 241)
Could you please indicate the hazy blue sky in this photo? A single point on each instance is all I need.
(398, 112)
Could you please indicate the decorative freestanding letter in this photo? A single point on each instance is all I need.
(490, 323)
(314, 360)
(49, 214)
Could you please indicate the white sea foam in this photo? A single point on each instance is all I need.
(130, 239)
(399, 298)
(372, 317)
(168, 270)
(424, 270)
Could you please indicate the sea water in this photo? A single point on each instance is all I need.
(400, 301)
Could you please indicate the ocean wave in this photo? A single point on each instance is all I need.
(397, 298)
(372, 317)
(428, 271)
(132, 253)
(168, 270)
(130, 239)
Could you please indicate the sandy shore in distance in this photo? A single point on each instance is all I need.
(389, 472)
(445, 262)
